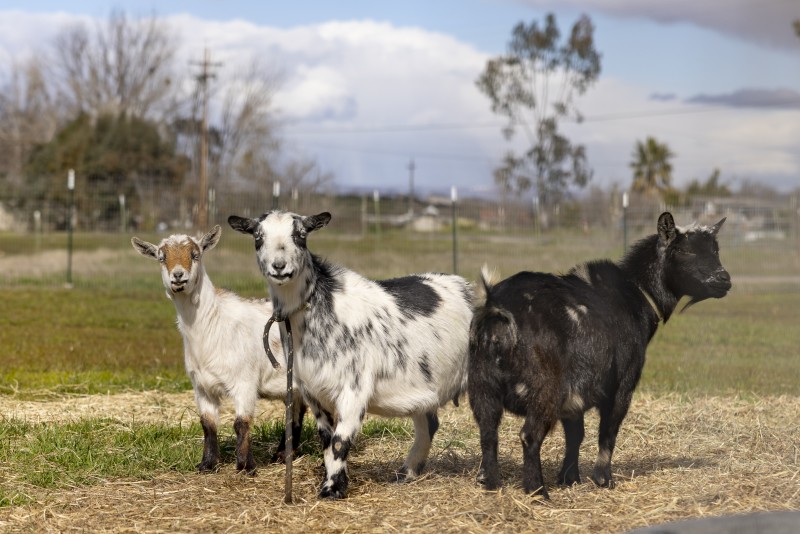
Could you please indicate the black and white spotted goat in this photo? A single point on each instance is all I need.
(551, 347)
(222, 343)
(392, 347)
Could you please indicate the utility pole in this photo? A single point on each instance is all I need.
(411, 168)
(202, 80)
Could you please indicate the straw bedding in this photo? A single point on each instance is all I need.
(676, 458)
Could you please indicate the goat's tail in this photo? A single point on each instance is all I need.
(493, 330)
(486, 281)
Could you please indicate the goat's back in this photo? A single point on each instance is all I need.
(559, 334)
(403, 340)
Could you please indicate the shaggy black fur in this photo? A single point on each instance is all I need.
(550, 347)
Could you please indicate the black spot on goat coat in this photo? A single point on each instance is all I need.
(392, 347)
(550, 347)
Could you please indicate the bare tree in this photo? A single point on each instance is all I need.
(248, 152)
(29, 117)
(305, 176)
(247, 146)
(123, 66)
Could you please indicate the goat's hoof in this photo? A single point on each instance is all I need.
(603, 481)
(569, 479)
(541, 491)
(207, 467)
(334, 487)
(280, 456)
(489, 482)
(248, 469)
(332, 493)
(402, 475)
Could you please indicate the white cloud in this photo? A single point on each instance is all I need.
(369, 77)
(764, 22)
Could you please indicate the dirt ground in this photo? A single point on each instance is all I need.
(677, 458)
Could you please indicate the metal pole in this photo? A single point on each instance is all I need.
(276, 194)
(411, 168)
(454, 198)
(122, 214)
(70, 214)
(376, 198)
(625, 222)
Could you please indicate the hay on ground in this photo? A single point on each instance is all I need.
(676, 458)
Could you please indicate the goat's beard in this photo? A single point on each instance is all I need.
(692, 302)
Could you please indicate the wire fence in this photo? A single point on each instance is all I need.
(380, 235)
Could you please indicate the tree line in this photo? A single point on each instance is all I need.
(112, 103)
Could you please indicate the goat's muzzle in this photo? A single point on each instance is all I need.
(178, 284)
(720, 283)
(280, 278)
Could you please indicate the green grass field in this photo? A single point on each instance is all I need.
(98, 341)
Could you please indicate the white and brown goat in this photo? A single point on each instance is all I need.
(223, 345)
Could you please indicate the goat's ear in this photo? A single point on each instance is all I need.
(242, 224)
(716, 227)
(211, 239)
(144, 248)
(315, 222)
(666, 228)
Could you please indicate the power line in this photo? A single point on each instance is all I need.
(399, 128)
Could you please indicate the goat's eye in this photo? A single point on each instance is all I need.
(162, 258)
(195, 255)
(300, 238)
(259, 240)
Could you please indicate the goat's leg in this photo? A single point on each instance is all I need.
(612, 412)
(297, 428)
(209, 410)
(335, 454)
(324, 423)
(425, 426)
(244, 455)
(488, 411)
(245, 406)
(534, 429)
(573, 435)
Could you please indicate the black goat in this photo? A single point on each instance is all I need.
(551, 347)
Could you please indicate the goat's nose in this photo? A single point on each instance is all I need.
(724, 275)
(278, 265)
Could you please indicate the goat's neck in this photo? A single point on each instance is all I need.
(644, 266)
(199, 305)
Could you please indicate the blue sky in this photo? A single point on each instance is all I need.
(369, 85)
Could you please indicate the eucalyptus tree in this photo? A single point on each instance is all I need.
(534, 86)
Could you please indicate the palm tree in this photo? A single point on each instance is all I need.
(652, 171)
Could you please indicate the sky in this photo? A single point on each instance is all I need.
(367, 86)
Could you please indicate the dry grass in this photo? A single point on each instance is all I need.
(677, 458)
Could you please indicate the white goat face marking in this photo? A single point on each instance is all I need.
(279, 256)
(179, 255)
